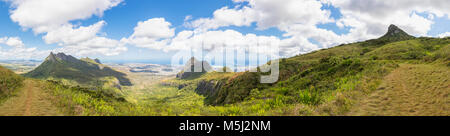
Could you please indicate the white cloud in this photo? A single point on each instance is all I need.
(288, 16)
(297, 18)
(18, 50)
(153, 33)
(443, 35)
(43, 15)
(224, 17)
(67, 34)
(97, 45)
(155, 28)
(266, 13)
(52, 19)
(12, 41)
(187, 18)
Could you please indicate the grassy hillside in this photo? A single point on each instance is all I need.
(9, 83)
(324, 82)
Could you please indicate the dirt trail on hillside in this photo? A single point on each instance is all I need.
(410, 90)
(30, 101)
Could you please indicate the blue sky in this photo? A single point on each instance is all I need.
(121, 22)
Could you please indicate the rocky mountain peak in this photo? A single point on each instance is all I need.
(51, 57)
(60, 56)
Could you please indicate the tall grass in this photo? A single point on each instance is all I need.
(9, 83)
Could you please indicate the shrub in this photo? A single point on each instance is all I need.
(309, 97)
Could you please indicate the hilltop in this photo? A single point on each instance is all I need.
(84, 71)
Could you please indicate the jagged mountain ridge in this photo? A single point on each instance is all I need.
(84, 71)
(320, 71)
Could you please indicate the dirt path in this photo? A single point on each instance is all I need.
(30, 101)
(410, 90)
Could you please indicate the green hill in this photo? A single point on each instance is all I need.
(9, 82)
(328, 76)
(396, 34)
(84, 71)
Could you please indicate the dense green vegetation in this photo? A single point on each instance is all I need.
(189, 71)
(76, 100)
(9, 83)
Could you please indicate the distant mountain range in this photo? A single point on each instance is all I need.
(83, 71)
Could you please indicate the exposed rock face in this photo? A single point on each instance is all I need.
(396, 34)
(194, 68)
(208, 88)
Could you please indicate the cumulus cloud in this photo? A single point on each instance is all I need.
(224, 17)
(212, 40)
(52, 19)
(153, 33)
(373, 16)
(67, 34)
(155, 28)
(267, 14)
(11, 41)
(17, 50)
(297, 18)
